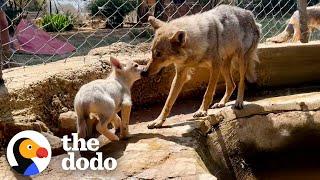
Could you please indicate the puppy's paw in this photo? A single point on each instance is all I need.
(238, 105)
(155, 124)
(200, 113)
(218, 105)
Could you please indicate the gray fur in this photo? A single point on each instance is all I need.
(216, 39)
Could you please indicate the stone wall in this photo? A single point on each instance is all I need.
(282, 129)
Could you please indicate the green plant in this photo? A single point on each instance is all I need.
(57, 22)
(114, 10)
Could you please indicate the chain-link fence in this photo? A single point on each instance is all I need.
(43, 31)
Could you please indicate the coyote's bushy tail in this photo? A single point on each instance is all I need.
(252, 56)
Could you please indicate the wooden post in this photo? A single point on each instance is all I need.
(50, 7)
(303, 15)
(1, 67)
(159, 10)
(142, 12)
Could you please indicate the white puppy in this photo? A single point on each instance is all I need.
(104, 98)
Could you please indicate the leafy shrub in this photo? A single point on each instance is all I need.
(57, 22)
(114, 10)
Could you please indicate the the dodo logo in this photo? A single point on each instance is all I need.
(29, 153)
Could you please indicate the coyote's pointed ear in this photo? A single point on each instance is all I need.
(115, 63)
(155, 23)
(179, 38)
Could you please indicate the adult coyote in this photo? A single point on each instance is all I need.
(214, 39)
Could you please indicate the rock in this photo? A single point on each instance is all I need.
(64, 109)
(55, 143)
(67, 121)
(273, 125)
(148, 154)
(56, 101)
(11, 128)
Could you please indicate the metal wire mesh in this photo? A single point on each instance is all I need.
(88, 24)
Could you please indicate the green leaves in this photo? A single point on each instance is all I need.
(57, 22)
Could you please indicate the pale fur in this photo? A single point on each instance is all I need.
(213, 39)
(103, 99)
(292, 29)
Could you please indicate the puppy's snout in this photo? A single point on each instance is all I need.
(144, 72)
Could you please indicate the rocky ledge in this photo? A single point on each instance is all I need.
(226, 144)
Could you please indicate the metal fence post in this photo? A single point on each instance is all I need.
(302, 7)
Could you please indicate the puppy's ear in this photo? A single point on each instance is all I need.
(179, 38)
(115, 63)
(155, 23)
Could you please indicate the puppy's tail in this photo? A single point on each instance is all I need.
(82, 127)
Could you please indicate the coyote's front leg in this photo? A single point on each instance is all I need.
(176, 86)
(207, 99)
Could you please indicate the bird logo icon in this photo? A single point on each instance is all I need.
(28, 153)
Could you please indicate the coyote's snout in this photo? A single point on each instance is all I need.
(214, 40)
(104, 98)
(167, 47)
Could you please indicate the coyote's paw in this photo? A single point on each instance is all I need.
(200, 113)
(238, 105)
(115, 138)
(124, 136)
(218, 105)
(155, 124)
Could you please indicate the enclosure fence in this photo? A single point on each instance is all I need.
(42, 31)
